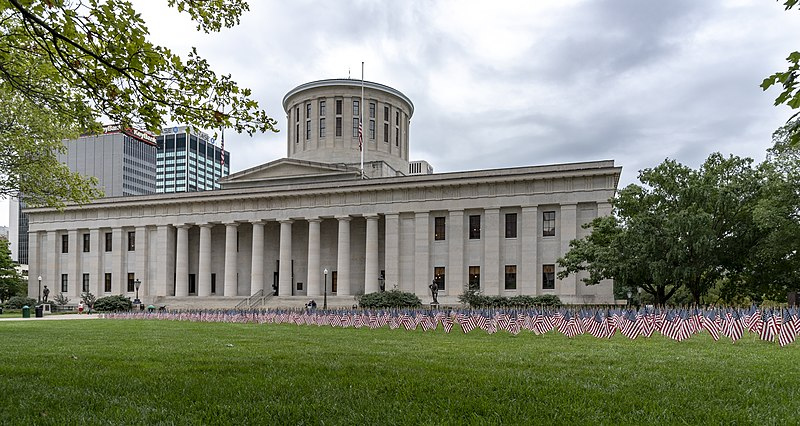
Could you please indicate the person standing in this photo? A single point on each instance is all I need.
(80, 307)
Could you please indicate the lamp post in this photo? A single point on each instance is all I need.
(40, 290)
(136, 284)
(325, 290)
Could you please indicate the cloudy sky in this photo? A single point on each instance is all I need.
(503, 84)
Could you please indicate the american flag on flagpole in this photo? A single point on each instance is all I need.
(360, 135)
(222, 150)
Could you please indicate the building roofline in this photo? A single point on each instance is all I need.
(349, 83)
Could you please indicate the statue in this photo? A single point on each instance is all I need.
(45, 293)
(434, 292)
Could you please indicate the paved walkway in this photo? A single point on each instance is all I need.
(53, 317)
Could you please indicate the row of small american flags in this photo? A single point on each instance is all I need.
(771, 324)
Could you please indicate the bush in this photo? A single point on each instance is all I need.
(17, 302)
(475, 299)
(113, 303)
(389, 299)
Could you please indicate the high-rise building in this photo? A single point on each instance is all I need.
(122, 159)
(189, 161)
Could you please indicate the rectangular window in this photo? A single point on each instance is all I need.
(386, 132)
(474, 277)
(385, 113)
(65, 244)
(85, 286)
(439, 226)
(107, 283)
(308, 129)
(308, 110)
(322, 127)
(108, 241)
(356, 109)
(372, 110)
(64, 283)
(396, 136)
(372, 129)
(548, 224)
(511, 277)
(548, 277)
(131, 278)
(438, 276)
(213, 283)
(339, 126)
(297, 133)
(321, 108)
(511, 225)
(297, 114)
(338, 107)
(475, 227)
(397, 118)
(355, 127)
(86, 243)
(132, 241)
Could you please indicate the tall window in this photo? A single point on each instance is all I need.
(86, 243)
(322, 127)
(108, 241)
(548, 224)
(438, 276)
(386, 132)
(64, 283)
(132, 241)
(511, 225)
(385, 113)
(548, 277)
(474, 227)
(107, 283)
(474, 277)
(85, 286)
(131, 278)
(308, 129)
(439, 226)
(297, 133)
(372, 110)
(321, 108)
(308, 110)
(338, 126)
(338, 107)
(355, 127)
(372, 129)
(356, 109)
(511, 277)
(65, 244)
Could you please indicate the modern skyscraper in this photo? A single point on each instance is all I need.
(189, 160)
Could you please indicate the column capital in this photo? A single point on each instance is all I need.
(257, 222)
(183, 225)
(314, 219)
(343, 218)
(206, 225)
(372, 216)
(289, 221)
(530, 208)
(232, 224)
(568, 206)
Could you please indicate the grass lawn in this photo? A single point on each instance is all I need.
(164, 372)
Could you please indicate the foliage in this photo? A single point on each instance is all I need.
(64, 64)
(383, 376)
(11, 283)
(789, 82)
(17, 302)
(89, 300)
(61, 299)
(113, 304)
(680, 228)
(476, 299)
(389, 299)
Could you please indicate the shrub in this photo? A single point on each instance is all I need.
(113, 303)
(475, 299)
(17, 302)
(389, 299)
(61, 299)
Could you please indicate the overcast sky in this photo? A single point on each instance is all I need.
(504, 84)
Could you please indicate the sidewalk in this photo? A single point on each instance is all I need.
(54, 317)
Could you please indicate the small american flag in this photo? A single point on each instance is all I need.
(360, 135)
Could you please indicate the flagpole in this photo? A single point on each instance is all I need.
(361, 118)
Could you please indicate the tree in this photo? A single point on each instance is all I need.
(74, 61)
(789, 81)
(680, 228)
(11, 283)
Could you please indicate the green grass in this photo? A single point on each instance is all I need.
(163, 372)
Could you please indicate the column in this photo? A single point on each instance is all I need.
(51, 278)
(34, 264)
(491, 252)
(166, 266)
(371, 267)
(96, 263)
(142, 251)
(529, 267)
(392, 251)
(231, 260)
(285, 259)
(257, 260)
(182, 262)
(422, 238)
(343, 257)
(455, 282)
(73, 265)
(118, 276)
(604, 209)
(568, 231)
(314, 270)
(204, 262)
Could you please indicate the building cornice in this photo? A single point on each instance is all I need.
(346, 82)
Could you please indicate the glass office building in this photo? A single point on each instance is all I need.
(188, 160)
